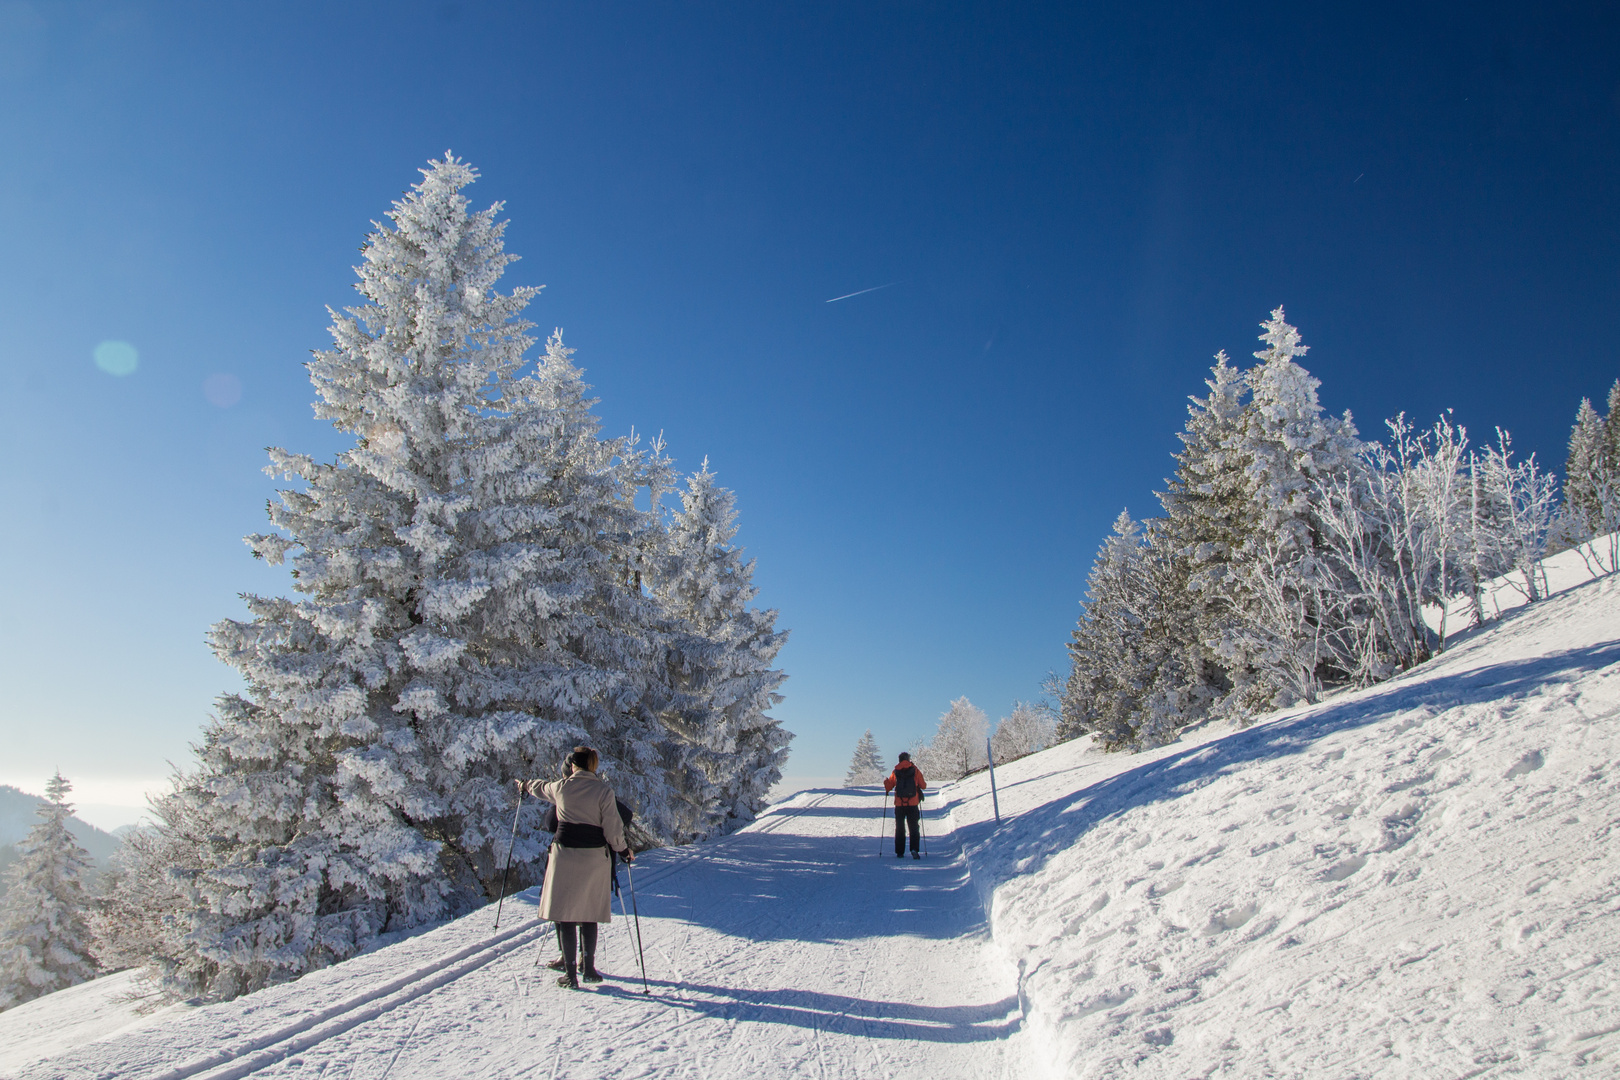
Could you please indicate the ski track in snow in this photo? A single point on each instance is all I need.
(791, 948)
(1414, 880)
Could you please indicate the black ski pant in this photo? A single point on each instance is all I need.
(906, 816)
(570, 944)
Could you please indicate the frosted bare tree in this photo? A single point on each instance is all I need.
(958, 746)
(1022, 732)
(1523, 499)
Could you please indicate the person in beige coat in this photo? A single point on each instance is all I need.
(579, 874)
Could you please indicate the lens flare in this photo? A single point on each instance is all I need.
(117, 358)
(222, 390)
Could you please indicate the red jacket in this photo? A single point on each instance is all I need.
(888, 784)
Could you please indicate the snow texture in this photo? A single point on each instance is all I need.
(1411, 880)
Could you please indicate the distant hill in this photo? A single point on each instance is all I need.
(17, 816)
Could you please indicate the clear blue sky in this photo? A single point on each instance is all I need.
(1079, 204)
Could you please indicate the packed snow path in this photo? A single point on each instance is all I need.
(794, 948)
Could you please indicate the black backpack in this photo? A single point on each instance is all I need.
(905, 782)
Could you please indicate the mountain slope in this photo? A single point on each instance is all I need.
(1412, 880)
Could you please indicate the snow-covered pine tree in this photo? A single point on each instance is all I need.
(141, 914)
(1132, 682)
(1208, 519)
(866, 764)
(1582, 465)
(469, 610)
(722, 663)
(1288, 445)
(44, 943)
(1592, 478)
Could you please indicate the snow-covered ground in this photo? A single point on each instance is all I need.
(1416, 880)
(793, 948)
(1409, 881)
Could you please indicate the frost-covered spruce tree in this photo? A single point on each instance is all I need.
(1582, 465)
(44, 943)
(141, 914)
(866, 764)
(1288, 446)
(1592, 477)
(1131, 682)
(1208, 520)
(468, 609)
(722, 661)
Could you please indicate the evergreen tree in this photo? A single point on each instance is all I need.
(722, 663)
(1581, 467)
(1288, 447)
(1208, 521)
(1592, 477)
(44, 943)
(1134, 677)
(866, 764)
(470, 608)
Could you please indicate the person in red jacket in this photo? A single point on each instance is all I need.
(907, 783)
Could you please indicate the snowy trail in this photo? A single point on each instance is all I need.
(791, 948)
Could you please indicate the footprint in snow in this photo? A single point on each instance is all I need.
(1341, 870)
(1526, 765)
(1230, 919)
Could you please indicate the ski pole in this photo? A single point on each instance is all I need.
(922, 832)
(883, 823)
(623, 914)
(509, 849)
(640, 952)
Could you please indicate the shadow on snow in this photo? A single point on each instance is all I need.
(836, 1013)
(1055, 826)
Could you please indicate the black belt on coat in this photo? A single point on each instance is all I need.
(571, 834)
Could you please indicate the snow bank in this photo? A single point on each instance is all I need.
(80, 1014)
(1412, 880)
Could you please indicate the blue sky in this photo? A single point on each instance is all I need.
(1079, 205)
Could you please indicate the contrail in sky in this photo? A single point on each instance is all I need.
(858, 292)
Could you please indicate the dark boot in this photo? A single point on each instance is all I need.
(558, 964)
(587, 942)
(566, 937)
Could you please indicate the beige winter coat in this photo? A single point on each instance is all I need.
(578, 880)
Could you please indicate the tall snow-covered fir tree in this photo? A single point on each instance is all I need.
(471, 605)
(44, 942)
(1208, 520)
(1287, 447)
(866, 764)
(1131, 683)
(723, 664)
(1592, 469)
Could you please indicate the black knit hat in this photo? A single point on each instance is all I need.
(905, 757)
